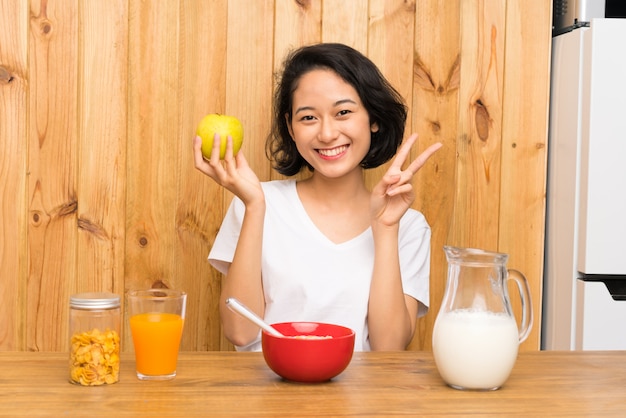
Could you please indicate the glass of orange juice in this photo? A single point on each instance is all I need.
(156, 318)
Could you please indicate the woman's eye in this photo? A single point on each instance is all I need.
(307, 117)
(343, 112)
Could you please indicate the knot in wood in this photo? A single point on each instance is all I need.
(481, 119)
(5, 75)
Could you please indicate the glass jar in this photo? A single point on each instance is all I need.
(94, 330)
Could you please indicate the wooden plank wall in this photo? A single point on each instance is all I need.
(99, 100)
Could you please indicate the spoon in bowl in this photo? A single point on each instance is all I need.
(244, 311)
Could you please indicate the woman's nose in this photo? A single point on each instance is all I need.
(328, 130)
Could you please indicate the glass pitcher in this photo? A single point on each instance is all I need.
(476, 337)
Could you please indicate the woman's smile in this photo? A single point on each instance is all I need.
(332, 153)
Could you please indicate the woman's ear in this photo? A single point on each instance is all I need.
(288, 121)
(374, 127)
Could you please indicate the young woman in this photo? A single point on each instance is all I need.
(326, 248)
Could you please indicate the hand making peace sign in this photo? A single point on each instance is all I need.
(394, 194)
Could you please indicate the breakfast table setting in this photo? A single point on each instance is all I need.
(312, 369)
(386, 384)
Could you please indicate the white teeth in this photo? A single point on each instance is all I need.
(332, 152)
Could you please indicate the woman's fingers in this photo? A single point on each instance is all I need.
(210, 166)
(215, 150)
(423, 157)
(198, 158)
(403, 153)
(402, 177)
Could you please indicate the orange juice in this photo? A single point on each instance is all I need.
(156, 337)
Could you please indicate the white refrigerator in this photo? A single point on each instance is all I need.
(584, 300)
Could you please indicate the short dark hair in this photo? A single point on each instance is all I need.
(383, 103)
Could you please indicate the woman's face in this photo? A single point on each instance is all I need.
(330, 125)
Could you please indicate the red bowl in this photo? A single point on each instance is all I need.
(305, 359)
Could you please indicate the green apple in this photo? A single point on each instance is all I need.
(224, 126)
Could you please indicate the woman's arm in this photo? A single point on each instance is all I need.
(243, 279)
(391, 313)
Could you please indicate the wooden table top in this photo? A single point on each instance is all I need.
(388, 384)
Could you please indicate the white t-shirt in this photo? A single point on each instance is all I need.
(307, 277)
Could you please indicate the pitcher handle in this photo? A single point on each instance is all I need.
(527, 310)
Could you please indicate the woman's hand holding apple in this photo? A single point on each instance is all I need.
(224, 164)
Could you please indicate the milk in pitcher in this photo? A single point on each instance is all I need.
(475, 349)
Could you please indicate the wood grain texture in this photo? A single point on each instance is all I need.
(199, 212)
(100, 101)
(386, 384)
(524, 149)
(479, 142)
(53, 172)
(13, 173)
(101, 163)
(436, 80)
(345, 21)
(297, 23)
